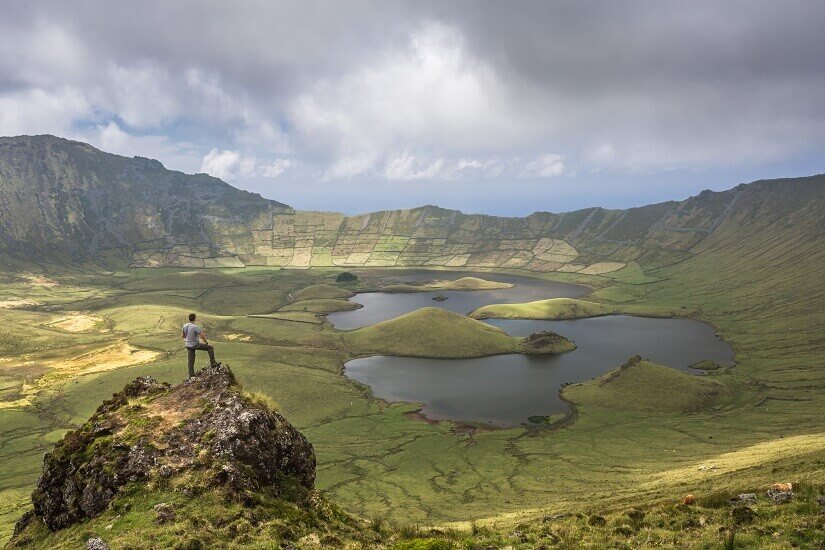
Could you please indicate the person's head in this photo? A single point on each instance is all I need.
(192, 317)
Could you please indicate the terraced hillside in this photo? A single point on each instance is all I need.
(64, 200)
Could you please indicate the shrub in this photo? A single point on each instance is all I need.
(346, 277)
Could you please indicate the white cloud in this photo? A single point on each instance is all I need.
(407, 91)
(221, 164)
(407, 167)
(174, 155)
(349, 166)
(431, 93)
(45, 56)
(37, 111)
(602, 153)
(276, 168)
(113, 139)
(143, 96)
(545, 166)
(230, 165)
(463, 164)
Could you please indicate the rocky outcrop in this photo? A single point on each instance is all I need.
(204, 433)
(547, 342)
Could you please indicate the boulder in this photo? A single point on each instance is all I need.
(744, 498)
(96, 543)
(779, 497)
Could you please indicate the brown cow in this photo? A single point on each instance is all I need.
(783, 487)
(689, 500)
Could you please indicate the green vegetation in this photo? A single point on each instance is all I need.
(435, 332)
(708, 524)
(749, 261)
(571, 308)
(296, 316)
(376, 461)
(640, 385)
(321, 291)
(464, 283)
(207, 520)
(321, 305)
(346, 277)
(707, 365)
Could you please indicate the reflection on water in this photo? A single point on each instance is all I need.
(379, 306)
(505, 390)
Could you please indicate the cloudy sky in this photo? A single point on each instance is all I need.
(499, 107)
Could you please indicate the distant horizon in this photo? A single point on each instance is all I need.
(720, 188)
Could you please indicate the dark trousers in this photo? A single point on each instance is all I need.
(200, 346)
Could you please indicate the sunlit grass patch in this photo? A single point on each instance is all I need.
(640, 385)
(571, 308)
(436, 332)
(320, 306)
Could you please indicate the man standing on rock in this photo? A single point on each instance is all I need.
(195, 339)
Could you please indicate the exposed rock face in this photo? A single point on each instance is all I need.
(151, 431)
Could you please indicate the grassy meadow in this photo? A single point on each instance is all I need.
(643, 435)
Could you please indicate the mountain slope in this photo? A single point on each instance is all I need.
(66, 201)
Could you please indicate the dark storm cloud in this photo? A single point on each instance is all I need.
(439, 91)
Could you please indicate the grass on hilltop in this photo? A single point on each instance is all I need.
(321, 291)
(572, 308)
(184, 280)
(436, 332)
(295, 316)
(321, 305)
(707, 365)
(640, 385)
(464, 283)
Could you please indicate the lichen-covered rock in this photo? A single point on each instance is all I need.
(779, 497)
(96, 543)
(156, 432)
(744, 498)
(165, 512)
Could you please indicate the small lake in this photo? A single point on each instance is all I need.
(380, 306)
(505, 390)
